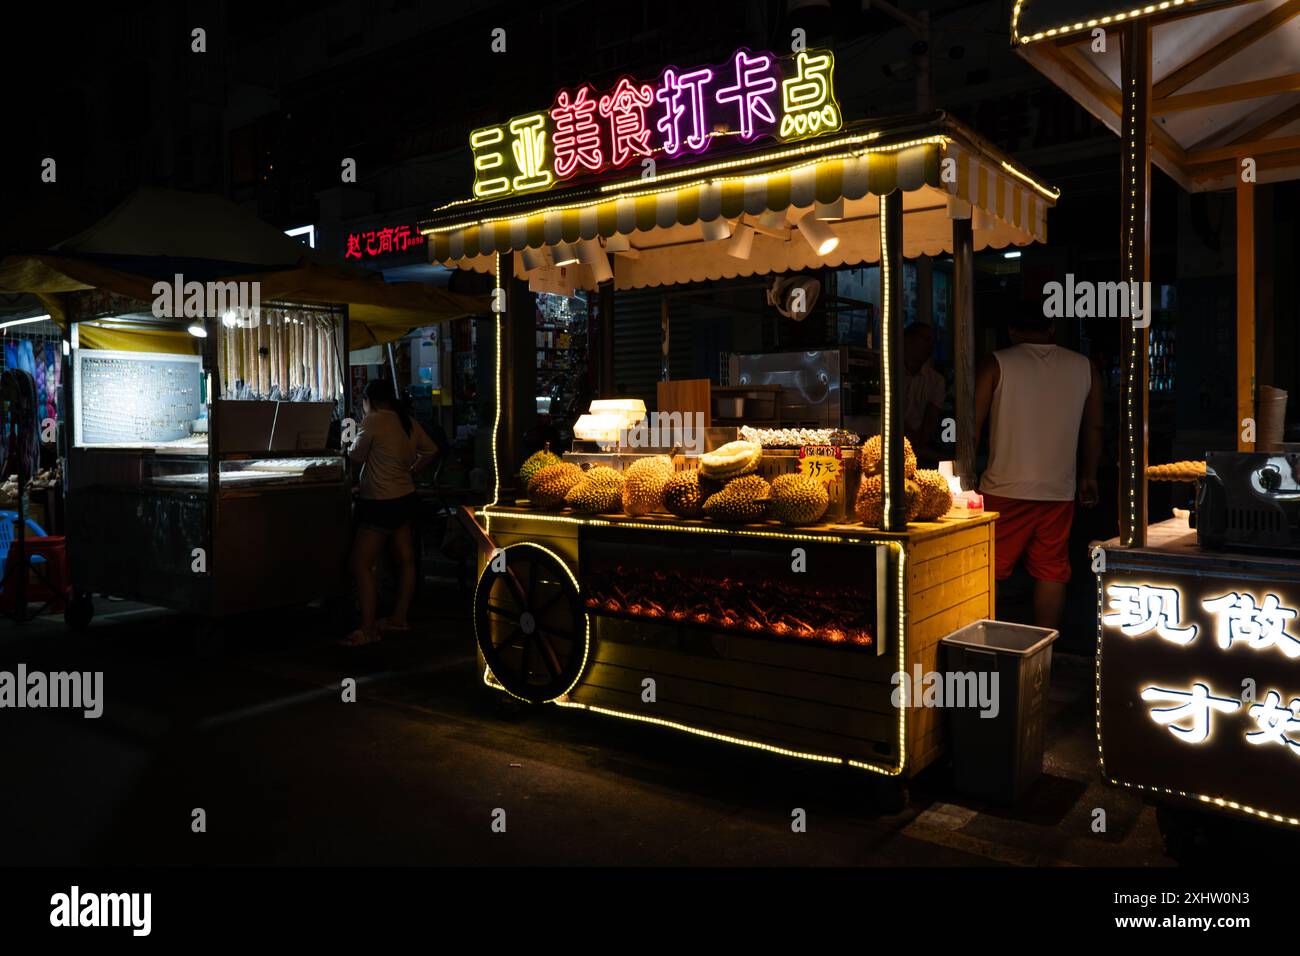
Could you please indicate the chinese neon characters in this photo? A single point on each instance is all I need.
(683, 112)
(1138, 610)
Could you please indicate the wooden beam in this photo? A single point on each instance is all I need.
(963, 345)
(1135, 266)
(1255, 148)
(1245, 309)
(1233, 93)
(1271, 126)
(1225, 49)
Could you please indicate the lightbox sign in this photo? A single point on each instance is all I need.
(683, 112)
(1198, 689)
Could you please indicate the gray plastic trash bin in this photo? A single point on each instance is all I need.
(998, 757)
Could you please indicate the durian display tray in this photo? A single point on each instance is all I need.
(916, 530)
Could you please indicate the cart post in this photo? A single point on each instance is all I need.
(891, 359)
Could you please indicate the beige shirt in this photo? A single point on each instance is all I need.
(390, 456)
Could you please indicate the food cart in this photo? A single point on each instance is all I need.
(204, 399)
(1197, 633)
(757, 634)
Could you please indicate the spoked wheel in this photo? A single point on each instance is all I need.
(530, 623)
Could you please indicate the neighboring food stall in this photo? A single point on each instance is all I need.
(1197, 632)
(204, 397)
(722, 581)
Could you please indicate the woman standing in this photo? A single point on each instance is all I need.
(391, 447)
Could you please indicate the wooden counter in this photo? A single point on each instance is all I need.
(803, 698)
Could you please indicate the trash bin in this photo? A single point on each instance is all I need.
(998, 753)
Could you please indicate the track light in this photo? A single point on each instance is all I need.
(534, 259)
(617, 243)
(773, 219)
(564, 254)
(819, 235)
(591, 254)
(830, 211)
(742, 243)
(197, 330)
(716, 230)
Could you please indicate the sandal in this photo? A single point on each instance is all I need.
(357, 638)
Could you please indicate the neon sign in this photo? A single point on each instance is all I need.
(381, 242)
(1139, 609)
(682, 112)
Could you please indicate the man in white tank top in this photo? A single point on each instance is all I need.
(1043, 404)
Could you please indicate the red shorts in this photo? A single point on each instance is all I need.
(1037, 530)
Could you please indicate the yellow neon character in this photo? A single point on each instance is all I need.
(809, 97)
(488, 156)
(530, 153)
(522, 167)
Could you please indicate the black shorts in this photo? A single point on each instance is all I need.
(386, 514)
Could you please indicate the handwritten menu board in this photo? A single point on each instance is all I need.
(127, 398)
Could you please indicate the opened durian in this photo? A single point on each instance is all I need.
(798, 499)
(549, 485)
(871, 460)
(643, 484)
(740, 500)
(599, 492)
(682, 494)
(936, 496)
(731, 460)
(535, 463)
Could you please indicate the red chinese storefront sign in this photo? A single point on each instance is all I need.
(381, 242)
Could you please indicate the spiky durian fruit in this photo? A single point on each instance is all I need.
(798, 499)
(870, 505)
(740, 500)
(549, 485)
(535, 463)
(872, 463)
(912, 499)
(643, 484)
(682, 494)
(599, 492)
(936, 496)
(731, 460)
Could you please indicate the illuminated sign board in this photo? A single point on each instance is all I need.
(381, 242)
(1198, 692)
(683, 112)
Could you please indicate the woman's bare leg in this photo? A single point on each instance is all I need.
(365, 551)
(404, 556)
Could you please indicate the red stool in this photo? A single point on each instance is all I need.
(47, 580)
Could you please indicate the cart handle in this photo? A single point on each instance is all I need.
(476, 532)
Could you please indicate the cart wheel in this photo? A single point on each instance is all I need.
(530, 624)
(889, 794)
(79, 610)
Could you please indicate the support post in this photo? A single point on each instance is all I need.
(518, 371)
(1245, 309)
(605, 297)
(963, 346)
(891, 359)
(1135, 267)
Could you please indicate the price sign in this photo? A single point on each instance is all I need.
(823, 462)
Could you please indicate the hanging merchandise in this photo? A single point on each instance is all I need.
(20, 452)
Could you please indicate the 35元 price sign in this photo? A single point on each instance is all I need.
(1199, 687)
(823, 462)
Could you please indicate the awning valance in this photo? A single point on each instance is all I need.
(943, 171)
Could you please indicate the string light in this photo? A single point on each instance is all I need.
(1064, 28)
(496, 421)
(886, 370)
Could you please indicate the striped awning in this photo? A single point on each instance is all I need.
(943, 175)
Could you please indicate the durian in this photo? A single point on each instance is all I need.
(535, 463)
(643, 484)
(798, 499)
(731, 460)
(599, 492)
(936, 496)
(742, 499)
(871, 461)
(682, 494)
(912, 499)
(870, 506)
(549, 485)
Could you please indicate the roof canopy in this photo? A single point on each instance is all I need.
(944, 170)
(1225, 78)
(156, 233)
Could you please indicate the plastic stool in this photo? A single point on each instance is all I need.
(47, 574)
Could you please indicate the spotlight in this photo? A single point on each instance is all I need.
(564, 254)
(533, 259)
(830, 211)
(773, 219)
(617, 243)
(716, 230)
(197, 330)
(819, 235)
(591, 254)
(1013, 254)
(742, 243)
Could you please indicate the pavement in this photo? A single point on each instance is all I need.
(250, 726)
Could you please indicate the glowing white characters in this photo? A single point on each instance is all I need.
(625, 109)
(1195, 706)
(577, 134)
(1239, 618)
(1275, 722)
(683, 93)
(755, 83)
(809, 99)
(1142, 609)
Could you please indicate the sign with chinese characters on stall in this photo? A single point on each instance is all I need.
(1199, 688)
(382, 242)
(683, 112)
(823, 462)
